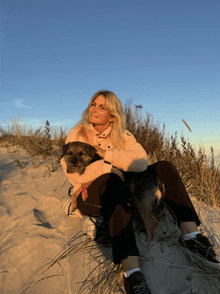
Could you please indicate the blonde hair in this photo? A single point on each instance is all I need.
(115, 109)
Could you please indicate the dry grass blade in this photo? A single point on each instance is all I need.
(186, 125)
(71, 248)
(19, 163)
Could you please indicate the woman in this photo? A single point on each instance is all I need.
(103, 126)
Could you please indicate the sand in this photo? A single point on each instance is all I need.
(35, 232)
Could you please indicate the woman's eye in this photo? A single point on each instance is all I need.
(101, 106)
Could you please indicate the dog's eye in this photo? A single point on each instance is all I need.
(81, 153)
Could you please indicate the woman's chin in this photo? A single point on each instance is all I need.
(92, 120)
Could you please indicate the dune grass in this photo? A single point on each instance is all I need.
(200, 176)
(104, 276)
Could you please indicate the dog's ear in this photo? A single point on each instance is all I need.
(136, 184)
(64, 148)
(91, 150)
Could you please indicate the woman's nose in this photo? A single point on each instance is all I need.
(94, 108)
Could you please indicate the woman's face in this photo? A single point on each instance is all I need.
(98, 114)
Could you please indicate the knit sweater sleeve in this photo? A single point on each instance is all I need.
(132, 158)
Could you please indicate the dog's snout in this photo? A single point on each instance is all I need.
(74, 159)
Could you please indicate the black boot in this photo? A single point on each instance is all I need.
(201, 246)
(136, 284)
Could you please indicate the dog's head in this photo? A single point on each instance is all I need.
(78, 156)
(146, 188)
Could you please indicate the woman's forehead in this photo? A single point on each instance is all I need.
(100, 99)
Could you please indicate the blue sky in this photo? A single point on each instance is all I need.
(164, 55)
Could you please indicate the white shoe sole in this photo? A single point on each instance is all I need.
(66, 207)
(76, 213)
(89, 227)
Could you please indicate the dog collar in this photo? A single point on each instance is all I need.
(113, 166)
(84, 193)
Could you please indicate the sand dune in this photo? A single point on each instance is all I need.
(35, 231)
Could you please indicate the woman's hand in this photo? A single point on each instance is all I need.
(100, 151)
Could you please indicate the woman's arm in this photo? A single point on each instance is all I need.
(132, 158)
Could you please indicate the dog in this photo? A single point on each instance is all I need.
(78, 156)
(147, 193)
(146, 189)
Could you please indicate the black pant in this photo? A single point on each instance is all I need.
(109, 196)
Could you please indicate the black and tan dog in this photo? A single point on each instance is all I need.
(147, 193)
(146, 189)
